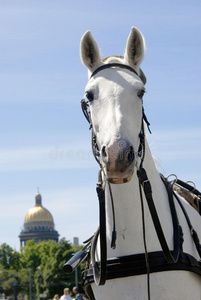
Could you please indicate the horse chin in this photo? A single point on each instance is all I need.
(118, 177)
(119, 180)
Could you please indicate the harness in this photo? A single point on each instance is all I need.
(138, 264)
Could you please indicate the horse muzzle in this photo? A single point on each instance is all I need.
(118, 161)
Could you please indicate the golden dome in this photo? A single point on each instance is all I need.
(38, 224)
(38, 214)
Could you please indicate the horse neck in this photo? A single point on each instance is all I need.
(128, 213)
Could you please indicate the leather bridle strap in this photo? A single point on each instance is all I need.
(192, 230)
(99, 269)
(171, 257)
(188, 187)
(114, 65)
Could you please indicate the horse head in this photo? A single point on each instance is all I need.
(114, 94)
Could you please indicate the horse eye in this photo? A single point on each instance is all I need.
(141, 94)
(90, 96)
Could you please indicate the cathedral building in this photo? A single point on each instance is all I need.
(38, 224)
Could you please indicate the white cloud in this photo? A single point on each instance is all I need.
(176, 144)
(178, 151)
(45, 158)
(30, 87)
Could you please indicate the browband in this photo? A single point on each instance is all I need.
(114, 65)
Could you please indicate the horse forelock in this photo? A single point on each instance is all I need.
(113, 59)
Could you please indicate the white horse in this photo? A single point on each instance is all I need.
(115, 100)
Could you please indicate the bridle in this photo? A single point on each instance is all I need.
(143, 179)
(100, 277)
(154, 261)
(86, 112)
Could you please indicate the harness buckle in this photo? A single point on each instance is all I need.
(147, 188)
(144, 182)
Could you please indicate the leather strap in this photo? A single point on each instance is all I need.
(188, 187)
(133, 265)
(192, 230)
(99, 269)
(114, 65)
(171, 257)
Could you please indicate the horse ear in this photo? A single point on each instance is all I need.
(89, 52)
(135, 47)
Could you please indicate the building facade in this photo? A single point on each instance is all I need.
(38, 224)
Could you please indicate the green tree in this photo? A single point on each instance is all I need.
(23, 285)
(31, 257)
(8, 279)
(45, 260)
(54, 278)
(10, 262)
(10, 259)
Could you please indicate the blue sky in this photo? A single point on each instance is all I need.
(44, 139)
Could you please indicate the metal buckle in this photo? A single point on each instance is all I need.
(192, 187)
(175, 180)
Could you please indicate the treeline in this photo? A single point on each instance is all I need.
(36, 269)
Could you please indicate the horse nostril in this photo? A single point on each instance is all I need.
(131, 154)
(104, 154)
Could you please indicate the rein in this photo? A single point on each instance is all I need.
(171, 257)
